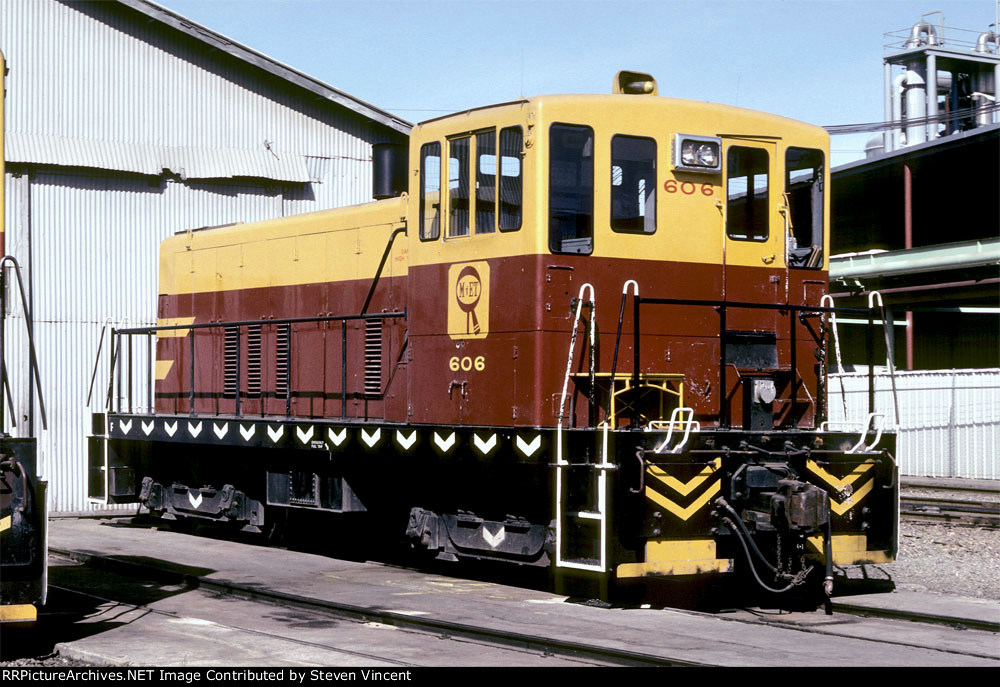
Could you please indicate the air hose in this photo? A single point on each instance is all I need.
(744, 537)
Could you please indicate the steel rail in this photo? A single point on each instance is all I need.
(505, 638)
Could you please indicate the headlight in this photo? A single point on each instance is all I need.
(697, 153)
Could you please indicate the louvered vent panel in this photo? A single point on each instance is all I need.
(373, 357)
(281, 366)
(253, 361)
(232, 352)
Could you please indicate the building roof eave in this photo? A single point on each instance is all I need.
(282, 71)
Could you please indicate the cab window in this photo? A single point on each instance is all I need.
(804, 186)
(430, 191)
(746, 193)
(511, 184)
(486, 182)
(458, 186)
(633, 185)
(571, 189)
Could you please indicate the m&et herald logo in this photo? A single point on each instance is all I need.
(469, 300)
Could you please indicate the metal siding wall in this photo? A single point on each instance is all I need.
(95, 243)
(949, 419)
(85, 72)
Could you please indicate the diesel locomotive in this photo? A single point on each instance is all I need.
(585, 332)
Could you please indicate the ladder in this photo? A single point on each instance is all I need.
(581, 504)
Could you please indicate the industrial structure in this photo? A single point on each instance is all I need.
(918, 220)
(127, 123)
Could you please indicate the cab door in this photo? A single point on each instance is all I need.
(753, 272)
(753, 252)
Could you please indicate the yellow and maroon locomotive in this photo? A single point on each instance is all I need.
(577, 331)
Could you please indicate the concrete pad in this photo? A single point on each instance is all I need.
(696, 637)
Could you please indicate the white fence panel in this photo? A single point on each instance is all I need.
(949, 420)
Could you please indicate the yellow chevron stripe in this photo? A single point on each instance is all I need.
(684, 513)
(173, 322)
(836, 482)
(852, 500)
(684, 488)
(4, 523)
(163, 369)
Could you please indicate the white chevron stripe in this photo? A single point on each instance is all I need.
(125, 427)
(371, 439)
(247, 433)
(275, 434)
(170, 429)
(407, 442)
(196, 501)
(148, 429)
(494, 539)
(526, 448)
(304, 437)
(444, 444)
(484, 446)
(337, 438)
(194, 430)
(220, 432)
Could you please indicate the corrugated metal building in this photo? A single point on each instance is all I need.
(127, 123)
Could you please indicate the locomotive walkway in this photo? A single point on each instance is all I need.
(663, 636)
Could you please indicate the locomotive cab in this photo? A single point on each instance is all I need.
(544, 195)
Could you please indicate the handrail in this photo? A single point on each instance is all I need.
(677, 419)
(836, 348)
(889, 362)
(861, 446)
(572, 347)
(722, 307)
(244, 323)
(115, 346)
(97, 356)
(33, 360)
(381, 266)
(621, 316)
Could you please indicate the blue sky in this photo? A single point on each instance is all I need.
(814, 60)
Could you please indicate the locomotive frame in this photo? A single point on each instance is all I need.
(435, 365)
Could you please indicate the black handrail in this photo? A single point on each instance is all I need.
(33, 360)
(381, 266)
(149, 332)
(721, 307)
(244, 323)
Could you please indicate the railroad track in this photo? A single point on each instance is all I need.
(549, 646)
(950, 505)
(442, 629)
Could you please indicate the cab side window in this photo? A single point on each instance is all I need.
(485, 185)
(430, 191)
(511, 183)
(571, 189)
(486, 182)
(458, 186)
(633, 185)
